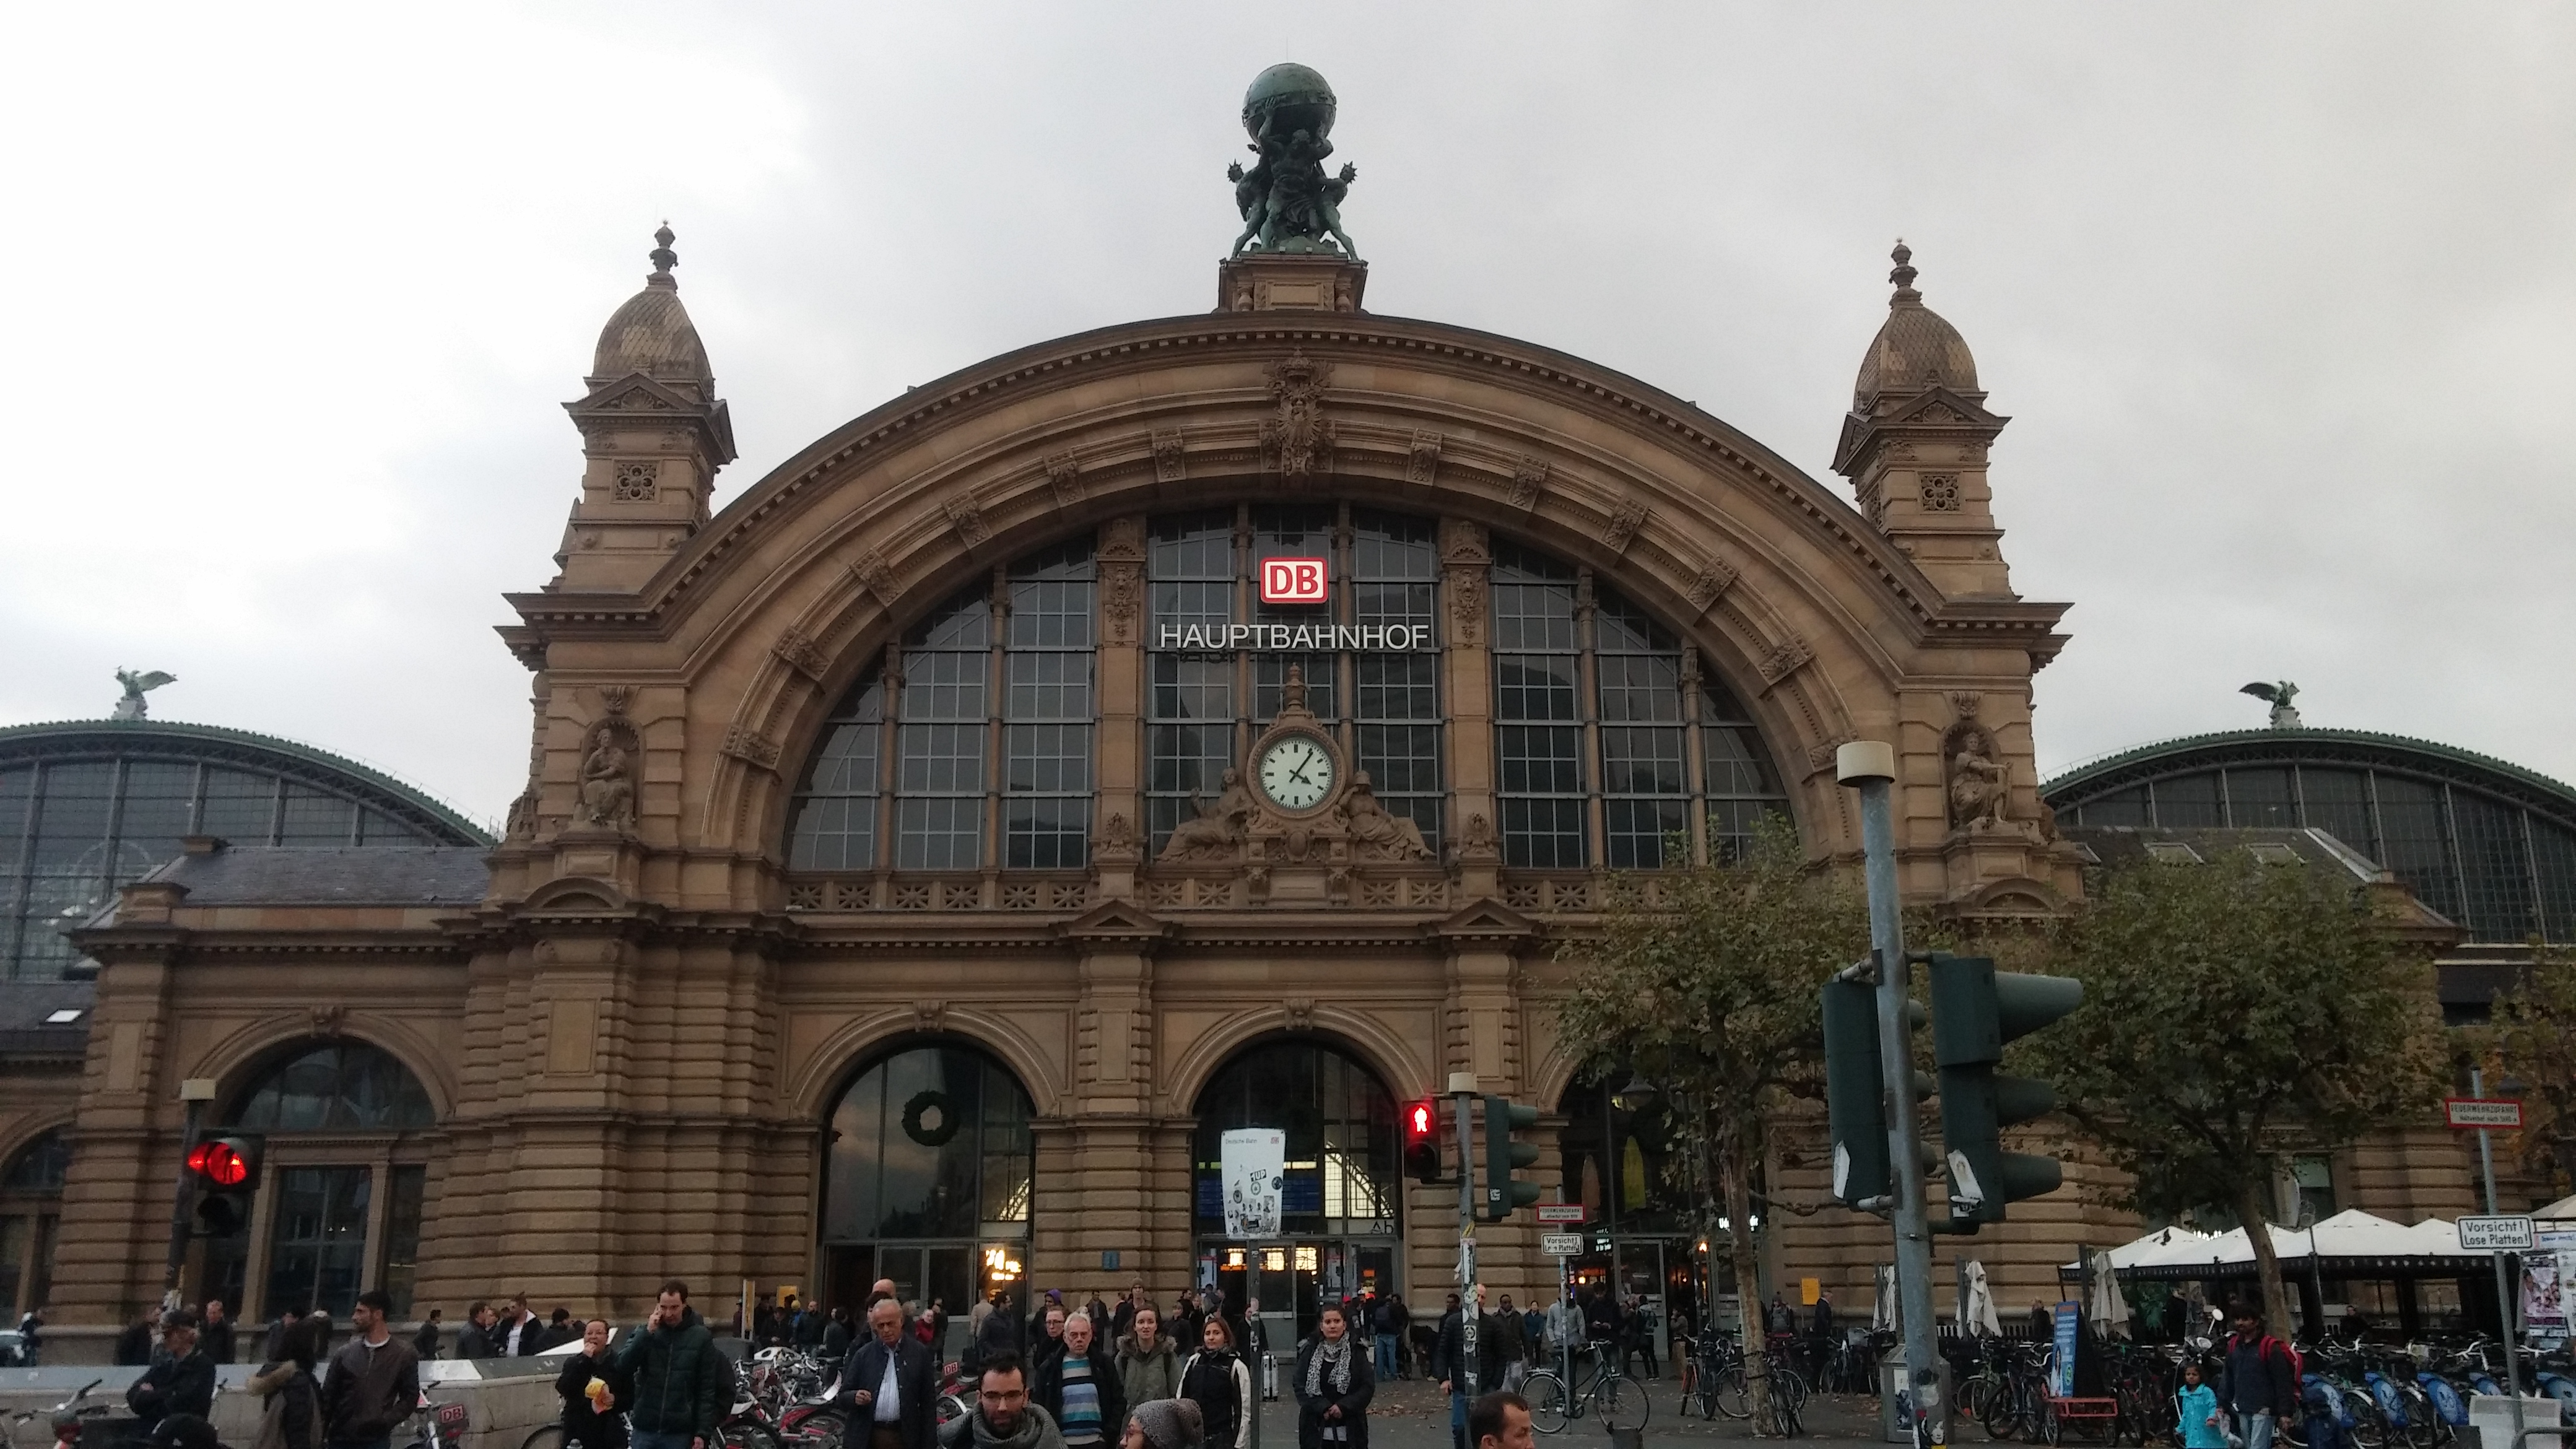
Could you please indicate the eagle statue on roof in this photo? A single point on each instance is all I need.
(2279, 695)
(131, 706)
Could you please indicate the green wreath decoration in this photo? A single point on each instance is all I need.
(920, 1106)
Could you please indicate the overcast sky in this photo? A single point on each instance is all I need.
(2279, 299)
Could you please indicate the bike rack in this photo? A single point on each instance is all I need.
(2562, 1431)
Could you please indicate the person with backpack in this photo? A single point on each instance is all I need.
(290, 1414)
(2258, 1379)
(1149, 1367)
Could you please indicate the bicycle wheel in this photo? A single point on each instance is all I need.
(1548, 1401)
(1793, 1383)
(1622, 1401)
(745, 1434)
(1733, 1400)
(550, 1436)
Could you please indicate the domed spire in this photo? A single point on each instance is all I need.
(652, 333)
(1915, 349)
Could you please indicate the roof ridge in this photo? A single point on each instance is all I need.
(434, 804)
(2083, 769)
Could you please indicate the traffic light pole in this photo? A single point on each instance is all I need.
(182, 1194)
(1462, 1090)
(1870, 767)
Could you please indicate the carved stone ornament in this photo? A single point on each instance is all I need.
(1117, 839)
(614, 698)
(1375, 833)
(1467, 600)
(1965, 702)
(1715, 578)
(1422, 459)
(1122, 600)
(522, 822)
(1976, 779)
(1301, 1012)
(1123, 539)
(1624, 523)
(869, 571)
(1784, 659)
(1477, 840)
(968, 520)
(636, 482)
(798, 652)
(611, 770)
(1820, 756)
(1297, 443)
(1065, 477)
(327, 1020)
(930, 1017)
(1528, 481)
(1217, 831)
(1171, 457)
(747, 744)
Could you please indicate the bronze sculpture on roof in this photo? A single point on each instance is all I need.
(1288, 203)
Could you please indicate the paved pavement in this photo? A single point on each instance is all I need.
(1411, 1414)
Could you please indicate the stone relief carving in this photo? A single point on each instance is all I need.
(1715, 578)
(869, 570)
(1467, 600)
(1388, 837)
(636, 482)
(930, 1017)
(1462, 542)
(1784, 659)
(522, 822)
(610, 771)
(1624, 523)
(1123, 539)
(1422, 459)
(1529, 479)
(744, 743)
(968, 520)
(1477, 840)
(1820, 756)
(1122, 593)
(1978, 781)
(1298, 442)
(1940, 493)
(1117, 839)
(1217, 831)
(1301, 1012)
(327, 1020)
(798, 651)
(1065, 477)
(1171, 458)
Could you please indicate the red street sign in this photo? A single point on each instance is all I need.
(1561, 1212)
(2483, 1112)
(1292, 581)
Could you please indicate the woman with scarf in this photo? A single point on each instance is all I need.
(1333, 1385)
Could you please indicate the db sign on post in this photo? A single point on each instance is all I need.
(1292, 581)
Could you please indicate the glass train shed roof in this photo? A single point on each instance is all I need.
(2483, 841)
(88, 806)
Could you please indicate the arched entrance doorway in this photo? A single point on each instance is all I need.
(927, 1171)
(1342, 1193)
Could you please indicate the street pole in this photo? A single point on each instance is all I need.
(1870, 767)
(1462, 1088)
(2504, 1297)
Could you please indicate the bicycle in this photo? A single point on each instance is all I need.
(1618, 1399)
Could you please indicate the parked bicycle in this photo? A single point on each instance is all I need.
(1609, 1392)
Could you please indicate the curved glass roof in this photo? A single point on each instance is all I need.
(88, 806)
(2483, 841)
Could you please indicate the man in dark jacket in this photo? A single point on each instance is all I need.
(475, 1339)
(1080, 1388)
(680, 1382)
(425, 1342)
(2256, 1380)
(891, 1384)
(134, 1345)
(594, 1422)
(1003, 1417)
(181, 1379)
(217, 1337)
(521, 1333)
(375, 1380)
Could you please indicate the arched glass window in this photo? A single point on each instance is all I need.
(1343, 1161)
(31, 1192)
(927, 1177)
(1202, 708)
(338, 1086)
(918, 759)
(1605, 751)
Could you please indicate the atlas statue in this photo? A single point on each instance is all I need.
(1288, 203)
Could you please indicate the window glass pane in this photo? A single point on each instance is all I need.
(338, 1086)
(2554, 854)
(2418, 844)
(71, 821)
(40, 1166)
(2258, 797)
(2121, 807)
(836, 810)
(931, 1142)
(2496, 890)
(1637, 833)
(1342, 1151)
(240, 808)
(17, 1231)
(409, 1185)
(377, 828)
(158, 797)
(318, 1239)
(940, 834)
(314, 818)
(2188, 802)
(17, 797)
(2338, 803)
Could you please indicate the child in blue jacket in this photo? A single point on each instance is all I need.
(2196, 1406)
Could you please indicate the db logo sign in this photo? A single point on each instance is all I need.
(1292, 581)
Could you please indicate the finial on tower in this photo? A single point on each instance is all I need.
(1903, 276)
(663, 258)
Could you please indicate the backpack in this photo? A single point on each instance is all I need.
(2283, 1347)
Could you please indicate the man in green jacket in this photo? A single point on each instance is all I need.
(681, 1381)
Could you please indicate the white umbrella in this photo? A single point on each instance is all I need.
(2130, 1253)
(1882, 1313)
(2105, 1305)
(1978, 1311)
(2563, 1209)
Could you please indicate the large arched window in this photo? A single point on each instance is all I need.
(31, 1202)
(978, 752)
(927, 1177)
(338, 1121)
(1608, 750)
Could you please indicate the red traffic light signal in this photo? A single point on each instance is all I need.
(1422, 1156)
(226, 1163)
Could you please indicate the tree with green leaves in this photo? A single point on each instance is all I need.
(1710, 993)
(2235, 1011)
(2531, 1050)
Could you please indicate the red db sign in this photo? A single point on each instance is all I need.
(1292, 581)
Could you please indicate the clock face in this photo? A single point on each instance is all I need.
(1297, 773)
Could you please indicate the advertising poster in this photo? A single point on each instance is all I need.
(1254, 1161)
(2066, 1313)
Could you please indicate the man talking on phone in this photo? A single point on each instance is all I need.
(680, 1379)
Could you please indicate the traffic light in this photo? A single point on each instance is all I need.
(1856, 1092)
(1423, 1159)
(1975, 1010)
(1505, 1195)
(226, 1173)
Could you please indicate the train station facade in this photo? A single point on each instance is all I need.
(1220, 720)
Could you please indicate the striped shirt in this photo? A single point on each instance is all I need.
(1080, 1421)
